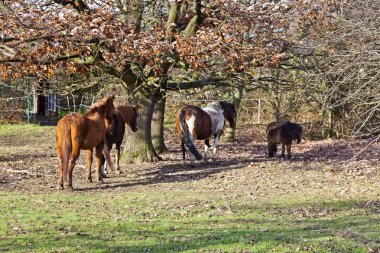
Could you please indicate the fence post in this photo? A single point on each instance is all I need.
(29, 102)
(259, 111)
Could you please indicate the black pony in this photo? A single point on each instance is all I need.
(124, 114)
(284, 133)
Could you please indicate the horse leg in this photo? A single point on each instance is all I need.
(103, 167)
(72, 161)
(117, 155)
(274, 148)
(183, 150)
(282, 150)
(192, 159)
(98, 159)
(89, 163)
(215, 147)
(288, 147)
(270, 149)
(207, 146)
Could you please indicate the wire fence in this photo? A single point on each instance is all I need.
(52, 107)
(39, 107)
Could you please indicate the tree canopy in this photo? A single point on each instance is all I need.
(135, 40)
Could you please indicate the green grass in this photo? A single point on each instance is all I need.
(25, 138)
(168, 221)
(163, 217)
(24, 129)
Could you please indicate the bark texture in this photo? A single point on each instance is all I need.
(229, 132)
(138, 146)
(158, 126)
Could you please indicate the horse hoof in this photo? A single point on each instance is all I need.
(60, 187)
(99, 182)
(89, 180)
(104, 176)
(118, 172)
(70, 188)
(192, 165)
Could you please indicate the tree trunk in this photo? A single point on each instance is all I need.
(138, 146)
(229, 132)
(158, 126)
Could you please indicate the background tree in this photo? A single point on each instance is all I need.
(150, 46)
(346, 55)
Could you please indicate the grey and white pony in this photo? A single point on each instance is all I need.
(194, 123)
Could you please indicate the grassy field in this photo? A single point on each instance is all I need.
(243, 203)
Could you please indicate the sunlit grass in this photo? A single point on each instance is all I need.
(170, 217)
(164, 221)
(16, 139)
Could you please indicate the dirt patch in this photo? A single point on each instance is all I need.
(334, 169)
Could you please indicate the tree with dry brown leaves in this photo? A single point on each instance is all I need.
(150, 46)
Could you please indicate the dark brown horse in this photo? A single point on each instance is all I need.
(124, 114)
(75, 132)
(194, 123)
(282, 133)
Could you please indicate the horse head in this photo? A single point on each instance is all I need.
(295, 131)
(229, 112)
(299, 134)
(130, 115)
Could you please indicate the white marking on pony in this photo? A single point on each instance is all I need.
(215, 111)
(103, 169)
(190, 124)
(214, 149)
(217, 123)
(205, 155)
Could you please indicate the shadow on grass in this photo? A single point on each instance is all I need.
(177, 173)
(329, 154)
(286, 233)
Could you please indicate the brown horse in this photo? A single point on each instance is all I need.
(284, 133)
(124, 114)
(194, 123)
(75, 132)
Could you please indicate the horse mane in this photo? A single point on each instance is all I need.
(95, 106)
(223, 105)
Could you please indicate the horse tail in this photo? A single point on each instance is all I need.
(66, 148)
(186, 137)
